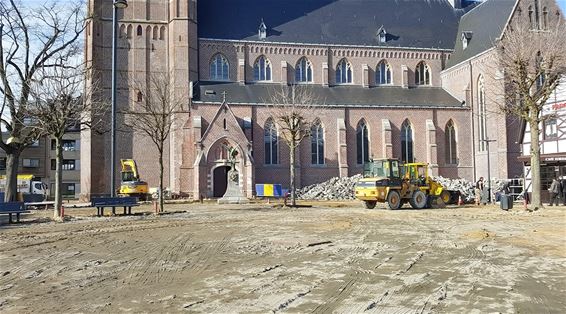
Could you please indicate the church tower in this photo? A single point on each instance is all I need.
(154, 37)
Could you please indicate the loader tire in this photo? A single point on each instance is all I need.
(445, 197)
(370, 204)
(418, 200)
(393, 200)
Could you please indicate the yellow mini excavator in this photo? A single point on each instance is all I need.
(131, 184)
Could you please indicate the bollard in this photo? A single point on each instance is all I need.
(155, 207)
(62, 211)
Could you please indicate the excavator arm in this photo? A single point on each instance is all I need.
(129, 170)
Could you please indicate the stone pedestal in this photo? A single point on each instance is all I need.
(234, 194)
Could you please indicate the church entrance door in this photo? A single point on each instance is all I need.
(220, 180)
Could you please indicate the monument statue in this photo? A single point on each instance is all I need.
(234, 194)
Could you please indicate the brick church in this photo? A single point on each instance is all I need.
(410, 79)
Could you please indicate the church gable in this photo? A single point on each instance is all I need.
(224, 125)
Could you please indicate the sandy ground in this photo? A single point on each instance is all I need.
(256, 258)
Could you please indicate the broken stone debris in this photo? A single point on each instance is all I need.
(340, 189)
(335, 189)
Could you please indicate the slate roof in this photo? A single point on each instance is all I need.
(343, 96)
(409, 23)
(486, 22)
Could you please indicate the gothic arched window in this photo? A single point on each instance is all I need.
(139, 30)
(422, 74)
(129, 31)
(450, 145)
(303, 70)
(407, 142)
(383, 73)
(270, 140)
(317, 144)
(155, 31)
(343, 72)
(219, 68)
(362, 143)
(262, 69)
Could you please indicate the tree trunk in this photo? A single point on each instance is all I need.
(58, 179)
(11, 190)
(160, 194)
(292, 174)
(535, 163)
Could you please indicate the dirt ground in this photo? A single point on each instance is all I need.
(258, 258)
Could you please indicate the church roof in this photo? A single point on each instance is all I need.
(484, 24)
(336, 96)
(409, 23)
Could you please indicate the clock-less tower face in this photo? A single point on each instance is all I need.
(155, 37)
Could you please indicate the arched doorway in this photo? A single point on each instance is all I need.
(220, 180)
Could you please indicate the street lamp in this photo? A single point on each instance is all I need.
(488, 170)
(118, 4)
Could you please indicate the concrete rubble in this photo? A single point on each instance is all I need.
(339, 189)
(335, 189)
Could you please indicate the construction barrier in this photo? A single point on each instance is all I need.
(269, 190)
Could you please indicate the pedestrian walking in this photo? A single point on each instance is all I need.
(563, 191)
(554, 192)
(479, 190)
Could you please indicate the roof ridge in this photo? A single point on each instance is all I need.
(475, 7)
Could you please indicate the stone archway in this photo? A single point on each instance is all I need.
(219, 180)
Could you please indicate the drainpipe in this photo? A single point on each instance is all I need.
(472, 119)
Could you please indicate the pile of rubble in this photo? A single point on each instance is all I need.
(338, 189)
(334, 189)
(465, 187)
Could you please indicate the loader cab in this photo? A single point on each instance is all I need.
(416, 173)
(382, 168)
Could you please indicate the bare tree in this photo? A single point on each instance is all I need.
(293, 110)
(153, 114)
(57, 104)
(532, 62)
(31, 39)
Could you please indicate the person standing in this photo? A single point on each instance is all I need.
(563, 190)
(554, 192)
(479, 190)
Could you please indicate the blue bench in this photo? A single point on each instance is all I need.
(13, 208)
(101, 202)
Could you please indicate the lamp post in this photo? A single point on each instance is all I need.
(487, 141)
(118, 4)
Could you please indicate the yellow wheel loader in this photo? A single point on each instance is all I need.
(387, 181)
(131, 184)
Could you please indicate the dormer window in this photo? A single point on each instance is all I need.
(466, 37)
(262, 31)
(382, 35)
